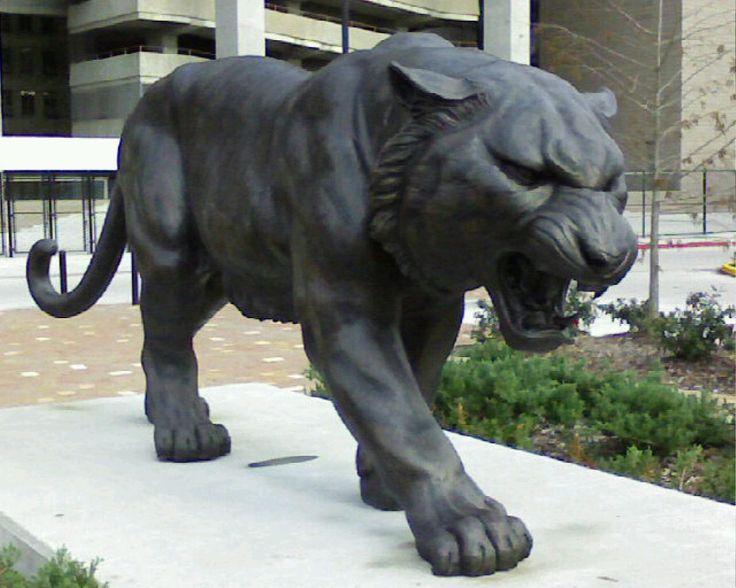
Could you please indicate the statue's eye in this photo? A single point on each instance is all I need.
(615, 184)
(521, 175)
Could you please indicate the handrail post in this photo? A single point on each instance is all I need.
(62, 272)
(705, 205)
(11, 219)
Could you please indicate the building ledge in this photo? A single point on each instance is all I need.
(464, 10)
(316, 34)
(97, 14)
(143, 66)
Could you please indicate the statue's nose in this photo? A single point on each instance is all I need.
(612, 258)
(601, 261)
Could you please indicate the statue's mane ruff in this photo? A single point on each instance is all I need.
(395, 160)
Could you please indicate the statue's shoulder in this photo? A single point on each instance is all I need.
(402, 41)
(356, 70)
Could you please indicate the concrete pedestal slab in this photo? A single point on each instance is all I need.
(85, 475)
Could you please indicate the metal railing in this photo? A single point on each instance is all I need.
(700, 201)
(65, 206)
(329, 18)
(148, 49)
(69, 206)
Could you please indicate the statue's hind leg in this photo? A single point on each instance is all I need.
(180, 291)
(173, 309)
(428, 332)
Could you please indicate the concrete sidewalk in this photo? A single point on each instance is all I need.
(84, 475)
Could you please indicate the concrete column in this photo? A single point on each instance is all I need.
(506, 29)
(240, 27)
(294, 6)
(1, 106)
(168, 41)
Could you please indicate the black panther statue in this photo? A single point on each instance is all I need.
(362, 201)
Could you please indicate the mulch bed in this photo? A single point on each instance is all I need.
(637, 353)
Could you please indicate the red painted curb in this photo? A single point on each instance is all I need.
(687, 245)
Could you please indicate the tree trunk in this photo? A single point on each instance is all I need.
(654, 268)
(653, 306)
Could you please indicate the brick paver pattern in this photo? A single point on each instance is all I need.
(97, 354)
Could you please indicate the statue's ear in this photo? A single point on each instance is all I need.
(603, 102)
(420, 86)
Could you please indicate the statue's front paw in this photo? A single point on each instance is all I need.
(461, 538)
(197, 442)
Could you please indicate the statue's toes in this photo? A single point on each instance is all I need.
(475, 546)
(442, 550)
(198, 442)
(511, 541)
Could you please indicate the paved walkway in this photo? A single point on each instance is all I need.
(97, 354)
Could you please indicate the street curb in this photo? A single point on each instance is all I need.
(688, 244)
(34, 552)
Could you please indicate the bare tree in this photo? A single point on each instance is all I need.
(671, 64)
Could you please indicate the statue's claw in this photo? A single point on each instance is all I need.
(198, 442)
(459, 538)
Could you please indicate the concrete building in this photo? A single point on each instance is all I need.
(35, 64)
(669, 62)
(77, 67)
(109, 52)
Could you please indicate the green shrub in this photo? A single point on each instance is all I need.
(685, 466)
(487, 325)
(499, 384)
(635, 463)
(719, 478)
(691, 334)
(60, 572)
(632, 426)
(318, 387)
(651, 414)
(581, 304)
(9, 578)
(699, 330)
(499, 394)
(631, 312)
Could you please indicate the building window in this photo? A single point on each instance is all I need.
(26, 61)
(51, 106)
(48, 25)
(25, 23)
(27, 103)
(50, 63)
(7, 58)
(8, 111)
(6, 23)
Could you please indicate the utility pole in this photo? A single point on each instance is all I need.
(345, 20)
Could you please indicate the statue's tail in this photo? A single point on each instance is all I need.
(96, 279)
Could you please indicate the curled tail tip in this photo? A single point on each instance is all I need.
(39, 259)
(37, 276)
(44, 248)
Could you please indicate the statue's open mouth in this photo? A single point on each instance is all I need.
(530, 304)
